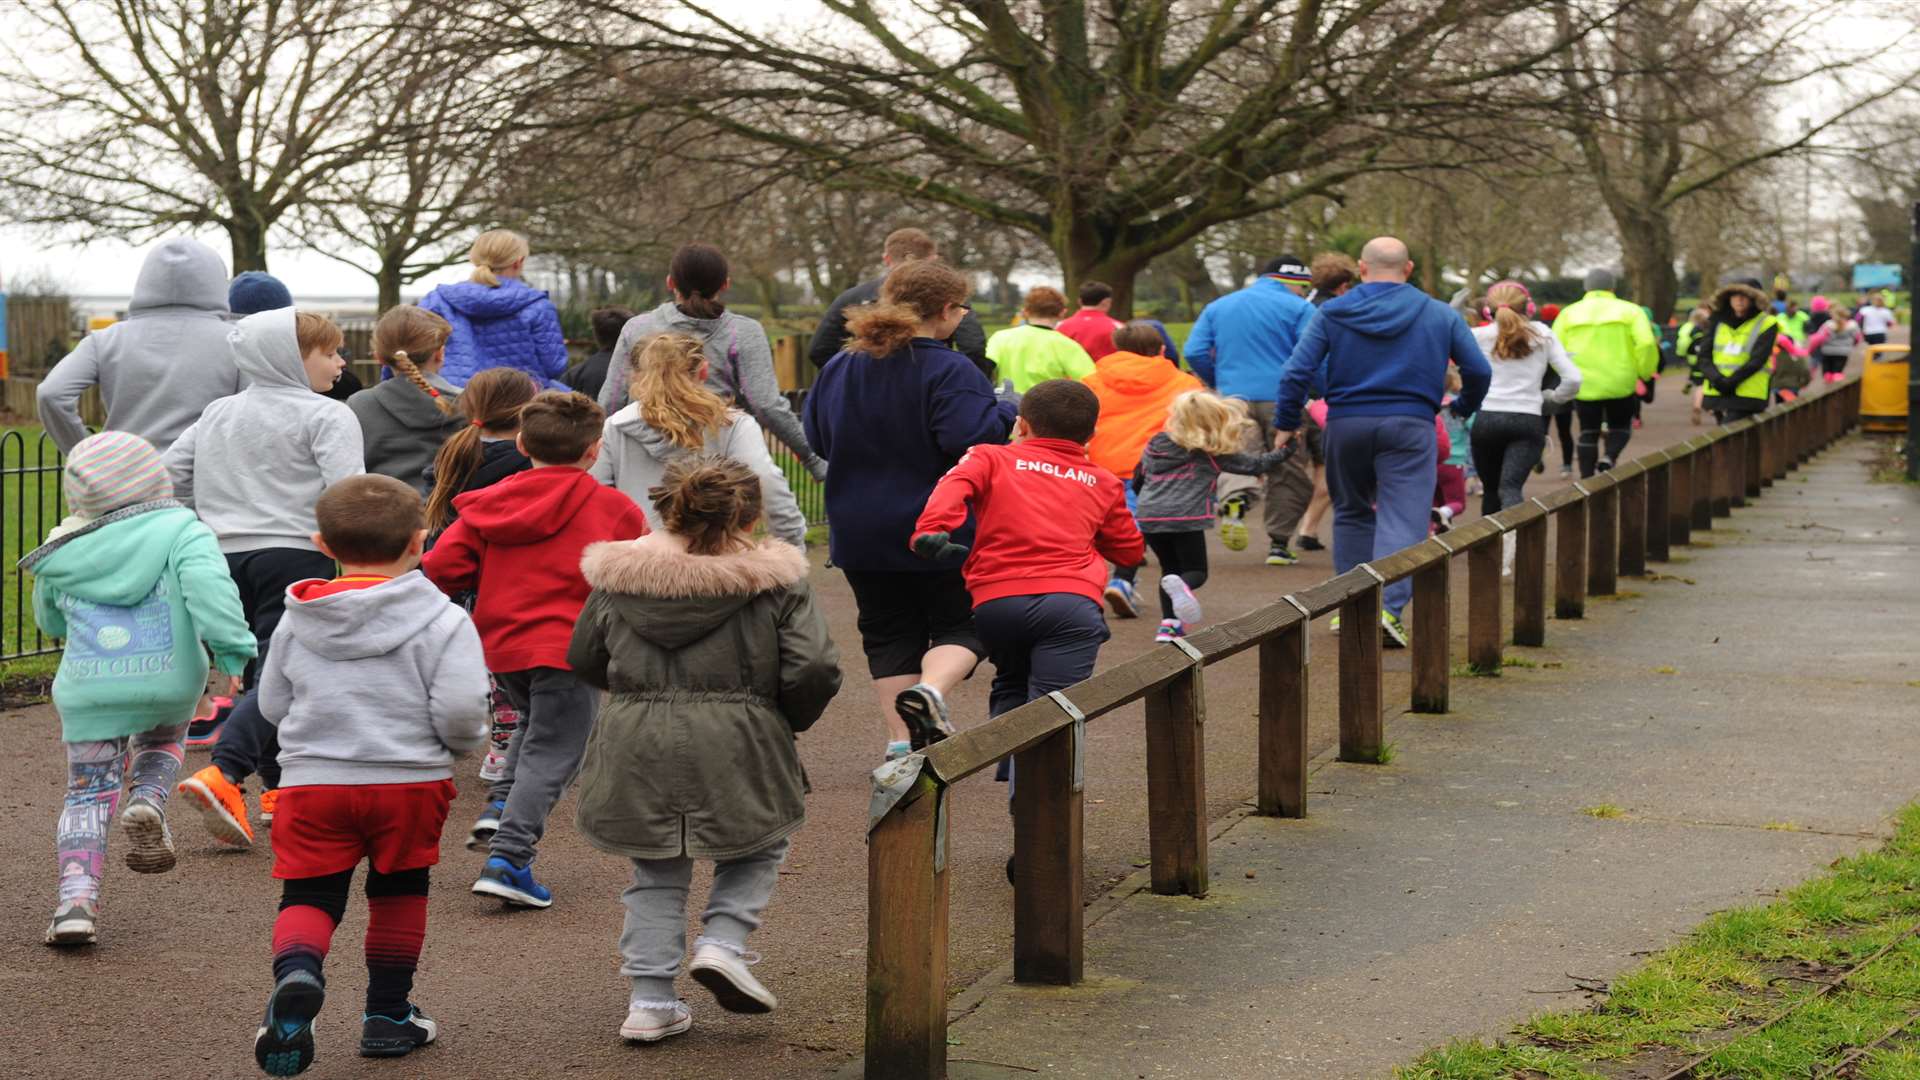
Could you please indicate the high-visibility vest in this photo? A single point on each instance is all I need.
(1732, 346)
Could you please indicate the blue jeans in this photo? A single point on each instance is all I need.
(1380, 472)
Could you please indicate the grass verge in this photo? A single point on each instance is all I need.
(1824, 981)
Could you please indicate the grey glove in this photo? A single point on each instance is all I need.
(816, 467)
(1007, 394)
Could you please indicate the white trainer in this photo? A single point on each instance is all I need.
(651, 1021)
(722, 969)
(1186, 606)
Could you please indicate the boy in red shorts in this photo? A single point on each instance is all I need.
(375, 683)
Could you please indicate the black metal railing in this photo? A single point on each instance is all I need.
(31, 503)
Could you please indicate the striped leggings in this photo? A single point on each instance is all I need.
(95, 771)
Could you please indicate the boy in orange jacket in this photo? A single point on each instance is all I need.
(1048, 521)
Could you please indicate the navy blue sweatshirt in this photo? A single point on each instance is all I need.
(890, 428)
(1382, 350)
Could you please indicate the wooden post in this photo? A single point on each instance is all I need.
(1633, 525)
(1659, 518)
(907, 940)
(1361, 736)
(1570, 561)
(1530, 583)
(1048, 851)
(1177, 785)
(1769, 429)
(1721, 462)
(1703, 486)
(1483, 605)
(1432, 631)
(1796, 433)
(1283, 723)
(1752, 469)
(1603, 533)
(1736, 462)
(1680, 499)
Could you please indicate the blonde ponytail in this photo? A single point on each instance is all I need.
(494, 251)
(404, 332)
(1514, 336)
(669, 394)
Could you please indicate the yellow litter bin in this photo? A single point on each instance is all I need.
(1883, 389)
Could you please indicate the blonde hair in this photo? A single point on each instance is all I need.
(491, 403)
(494, 251)
(912, 294)
(1203, 420)
(1515, 336)
(316, 333)
(669, 393)
(404, 335)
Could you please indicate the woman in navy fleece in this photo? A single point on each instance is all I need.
(891, 413)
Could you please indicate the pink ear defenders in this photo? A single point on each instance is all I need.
(1487, 312)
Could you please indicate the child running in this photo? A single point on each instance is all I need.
(252, 467)
(1176, 480)
(517, 546)
(483, 453)
(404, 420)
(715, 657)
(135, 584)
(375, 683)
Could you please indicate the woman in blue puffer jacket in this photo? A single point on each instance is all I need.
(499, 320)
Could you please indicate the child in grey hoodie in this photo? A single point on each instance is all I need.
(375, 682)
(252, 468)
(162, 365)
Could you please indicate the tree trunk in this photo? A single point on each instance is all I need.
(769, 289)
(1646, 244)
(248, 236)
(388, 281)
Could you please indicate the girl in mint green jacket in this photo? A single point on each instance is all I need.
(134, 583)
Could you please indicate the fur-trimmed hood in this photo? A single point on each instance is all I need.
(672, 597)
(1723, 302)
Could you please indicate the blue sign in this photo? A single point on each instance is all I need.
(1876, 276)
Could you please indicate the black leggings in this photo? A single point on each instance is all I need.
(1561, 421)
(1505, 446)
(1618, 415)
(1831, 364)
(1182, 553)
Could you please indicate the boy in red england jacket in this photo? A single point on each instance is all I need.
(517, 545)
(1048, 520)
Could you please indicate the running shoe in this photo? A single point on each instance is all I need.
(1278, 555)
(269, 800)
(149, 841)
(486, 825)
(1233, 522)
(493, 767)
(1393, 630)
(722, 969)
(1310, 542)
(1186, 606)
(1333, 624)
(1566, 471)
(1442, 518)
(1170, 630)
(1120, 599)
(925, 711)
(383, 1036)
(204, 731)
(222, 805)
(74, 923)
(284, 1044)
(651, 1021)
(511, 883)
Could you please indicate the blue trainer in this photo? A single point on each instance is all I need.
(284, 1044)
(1120, 598)
(486, 825)
(511, 883)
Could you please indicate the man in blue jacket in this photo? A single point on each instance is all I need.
(1381, 354)
(1239, 346)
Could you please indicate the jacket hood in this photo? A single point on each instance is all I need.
(117, 559)
(672, 597)
(410, 408)
(267, 351)
(528, 507)
(180, 276)
(361, 623)
(477, 301)
(1723, 302)
(1132, 373)
(1377, 309)
(668, 317)
(627, 423)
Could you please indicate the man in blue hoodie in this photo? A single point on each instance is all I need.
(1239, 347)
(1380, 352)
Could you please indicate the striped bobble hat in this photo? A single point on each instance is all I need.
(111, 470)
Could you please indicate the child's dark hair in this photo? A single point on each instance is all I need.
(699, 272)
(558, 426)
(1140, 337)
(1092, 292)
(1061, 409)
(369, 519)
(607, 324)
(708, 500)
(491, 404)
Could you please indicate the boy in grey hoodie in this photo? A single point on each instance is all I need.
(252, 467)
(162, 365)
(376, 682)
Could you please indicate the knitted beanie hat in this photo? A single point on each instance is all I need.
(111, 470)
(1288, 268)
(254, 291)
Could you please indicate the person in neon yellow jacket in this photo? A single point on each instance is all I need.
(1613, 343)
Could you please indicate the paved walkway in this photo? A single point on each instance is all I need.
(1752, 711)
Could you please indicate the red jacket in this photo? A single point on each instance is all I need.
(1048, 520)
(1093, 329)
(518, 545)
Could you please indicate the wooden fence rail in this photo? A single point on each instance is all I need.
(1604, 526)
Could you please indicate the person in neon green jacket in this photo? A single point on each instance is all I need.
(134, 583)
(1613, 344)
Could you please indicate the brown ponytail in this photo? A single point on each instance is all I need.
(1514, 337)
(918, 292)
(700, 273)
(406, 332)
(491, 404)
(711, 501)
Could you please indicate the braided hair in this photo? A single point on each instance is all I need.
(405, 336)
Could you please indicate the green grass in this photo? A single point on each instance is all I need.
(1733, 986)
(29, 507)
(1606, 811)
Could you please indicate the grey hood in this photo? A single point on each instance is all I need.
(179, 277)
(267, 351)
(363, 623)
(409, 407)
(627, 422)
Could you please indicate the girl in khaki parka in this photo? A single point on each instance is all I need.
(714, 657)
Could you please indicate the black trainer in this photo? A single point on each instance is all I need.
(284, 1044)
(1278, 555)
(383, 1036)
(1310, 542)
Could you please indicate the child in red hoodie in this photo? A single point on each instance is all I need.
(1049, 521)
(517, 545)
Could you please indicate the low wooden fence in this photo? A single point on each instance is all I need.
(1605, 526)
